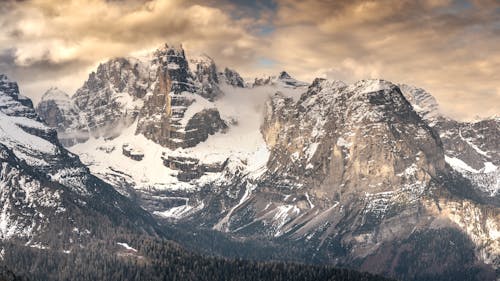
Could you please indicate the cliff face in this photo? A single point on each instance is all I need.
(356, 174)
(365, 134)
(154, 92)
(164, 117)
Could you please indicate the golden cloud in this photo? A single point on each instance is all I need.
(445, 46)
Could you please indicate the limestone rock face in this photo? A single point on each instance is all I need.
(163, 118)
(352, 136)
(155, 92)
(206, 77)
(233, 78)
(13, 103)
(471, 148)
(111, 97)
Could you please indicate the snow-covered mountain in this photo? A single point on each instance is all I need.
(471, 148)
(367, 175)
(49, 198)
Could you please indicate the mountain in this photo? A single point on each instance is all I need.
(471, 148)
(57, 111)
(60, 222)
(284, 79)
(47, 190)
(368, 175)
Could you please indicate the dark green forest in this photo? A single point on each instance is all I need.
(155, 259)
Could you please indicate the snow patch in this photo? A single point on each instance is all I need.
(126, 246)
(459, 165)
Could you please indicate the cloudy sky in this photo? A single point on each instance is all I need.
(451, 48)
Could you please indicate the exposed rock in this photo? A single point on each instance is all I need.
(58, 111)
(471, 148)
(201, 125)
(191, 168)
(132, 152)
(205, 72)
(326, 135)
(283, 78)
(156, 94)
(352, 169)
(164, 110)
(111, 97)
(423, 102)
(12, 103)
(46, 191)
(233, 78)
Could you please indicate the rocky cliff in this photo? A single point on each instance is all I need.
(155, 92)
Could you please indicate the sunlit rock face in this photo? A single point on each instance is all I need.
(155, 92)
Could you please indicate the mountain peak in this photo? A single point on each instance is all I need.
(422, 101)
(284, 75)
(373, 85)
(283, 79)
(54, 93)
(233, 78)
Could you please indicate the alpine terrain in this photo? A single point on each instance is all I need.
(368, 175)
(58, 221)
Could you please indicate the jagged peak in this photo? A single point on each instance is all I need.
(204, 63)
(327, 83)
(372, 85)
(233, 78)
(170, 50)
(478, 118)
(54, 93)
(320, 84)
(282, 78)
(284, 75)
(422, 101)
(10, 87)
(202, 59)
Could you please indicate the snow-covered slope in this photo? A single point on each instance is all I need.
(422, 101)
(283, 80)
(44, 189)
(242, 143)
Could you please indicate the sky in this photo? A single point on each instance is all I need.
(450, 48)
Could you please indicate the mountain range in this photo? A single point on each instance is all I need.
(368, 175)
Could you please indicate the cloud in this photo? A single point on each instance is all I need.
(46, 37)
(448, 47)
